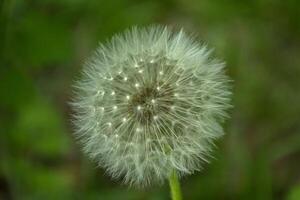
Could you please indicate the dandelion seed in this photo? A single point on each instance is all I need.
(138, 130)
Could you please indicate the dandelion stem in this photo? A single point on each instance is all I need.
(175, 186)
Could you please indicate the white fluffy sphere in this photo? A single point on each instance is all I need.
(150, 101)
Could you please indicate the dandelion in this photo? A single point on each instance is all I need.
(150, 104)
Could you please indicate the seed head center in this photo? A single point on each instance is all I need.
(149, 102)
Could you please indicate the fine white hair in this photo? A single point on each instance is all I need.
(150, 101)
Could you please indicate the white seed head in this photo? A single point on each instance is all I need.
(162, 112)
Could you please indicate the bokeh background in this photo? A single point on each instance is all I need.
(43, 44)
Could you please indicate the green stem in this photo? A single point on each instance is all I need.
(175, 186)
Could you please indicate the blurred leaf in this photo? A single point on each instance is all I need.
(32, 181)
(294, 193)
(16, 88)
(42, 40)
(39, 130)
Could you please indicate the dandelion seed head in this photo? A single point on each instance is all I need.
(161, 98)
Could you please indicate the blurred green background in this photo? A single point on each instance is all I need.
(43, 44)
